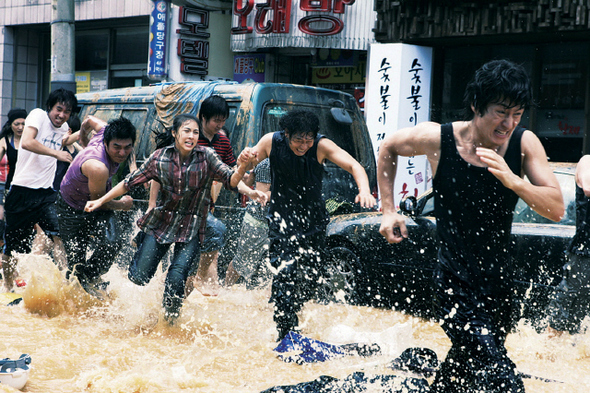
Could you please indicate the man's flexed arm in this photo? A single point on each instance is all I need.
(28, 142)
(542, 192)
(329, 150)
(90, 126)
(98, 175)
(583, 174)
(423, 139)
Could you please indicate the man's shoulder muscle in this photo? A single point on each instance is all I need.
(424, 138)
(93, 168)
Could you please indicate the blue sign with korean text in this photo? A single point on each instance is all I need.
(158, 31)
(249, 67)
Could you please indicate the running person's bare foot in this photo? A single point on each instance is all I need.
(207, 287)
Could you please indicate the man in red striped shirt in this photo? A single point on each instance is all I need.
(213, 113)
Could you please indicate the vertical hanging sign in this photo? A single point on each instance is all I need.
(397, 95)
(193, 41)
(158, 38)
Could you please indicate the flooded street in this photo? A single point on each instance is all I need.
(224, 343)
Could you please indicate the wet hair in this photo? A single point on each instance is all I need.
(213, 106)
(166, 138)
(62, 96)
(16, 113)
(74, 123)
(300, 122)
(119, 128)
(13, 114)
(495, 82)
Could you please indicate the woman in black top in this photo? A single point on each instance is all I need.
(10, 139)
(9, 143)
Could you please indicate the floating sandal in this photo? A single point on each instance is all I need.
(15, 372)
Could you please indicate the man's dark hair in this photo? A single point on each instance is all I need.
(213, 106)
(495, 82)
(120, 128)
(62, 96)
(74, 123)
(300, 122)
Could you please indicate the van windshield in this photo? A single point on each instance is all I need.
(347, 136)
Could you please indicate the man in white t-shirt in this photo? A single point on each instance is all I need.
(31, 199)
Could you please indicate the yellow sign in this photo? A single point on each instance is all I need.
(331, 75)
(82, 82)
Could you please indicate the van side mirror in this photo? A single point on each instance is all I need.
(409, 205)
(341, 116)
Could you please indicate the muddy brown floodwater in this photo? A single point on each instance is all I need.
(225, 343)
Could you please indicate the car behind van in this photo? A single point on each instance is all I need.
(255, 109)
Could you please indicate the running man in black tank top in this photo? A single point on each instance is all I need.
(478, 168)
(571, 302)
(297, 211)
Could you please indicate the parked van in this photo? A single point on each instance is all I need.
(255, 109)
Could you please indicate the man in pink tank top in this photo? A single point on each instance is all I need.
(88, 178)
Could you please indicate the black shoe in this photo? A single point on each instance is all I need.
(94, 291)
(285, 331)
(172, 309)
(418, 360)
(171, 317)
(96, 288)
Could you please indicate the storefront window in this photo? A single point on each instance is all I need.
(558, 73)
(131, 46)
(111, 58)
(460, 66)
(562, 91)
(92, 50)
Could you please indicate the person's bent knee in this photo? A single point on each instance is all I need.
(214, 235)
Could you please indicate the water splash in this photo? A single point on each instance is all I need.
(223, 343)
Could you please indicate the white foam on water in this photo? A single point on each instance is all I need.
(224, 343)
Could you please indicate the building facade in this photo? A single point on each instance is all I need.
(111, 45)
(121, 43)
(549, 37)
(311, 42)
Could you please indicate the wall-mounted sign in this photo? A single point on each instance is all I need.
(91, 81)
(398, 96)
(560, 123)
(326, 57)
(249, 67)
(158, 31)
(333, 75)
(343, 24)
(193, 44)
(82, 82)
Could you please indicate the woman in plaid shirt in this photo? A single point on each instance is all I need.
(185, 171)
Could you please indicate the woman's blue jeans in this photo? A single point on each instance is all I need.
(145, 264)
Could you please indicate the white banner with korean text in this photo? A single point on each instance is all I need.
(397, 95)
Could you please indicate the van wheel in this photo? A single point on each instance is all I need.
(341, 275)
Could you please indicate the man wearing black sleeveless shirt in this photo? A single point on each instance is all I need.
(297, 211)
(571, 303)
(478, 168)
